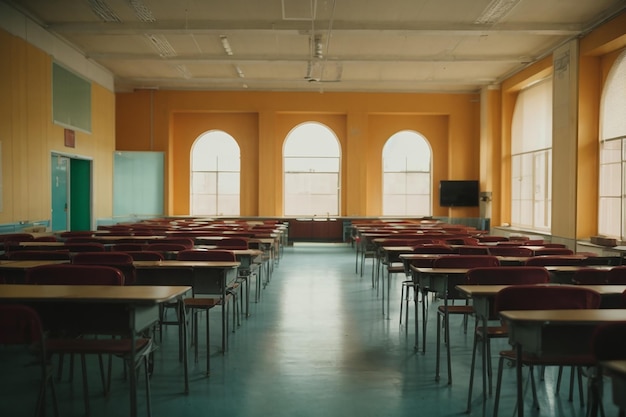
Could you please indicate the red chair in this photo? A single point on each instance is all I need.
(146, 255)
(518, 251)
(617, 275)
(21, 325)
(232, 243)
(553, 251)
(591, 276)
(126, 247)
(449, 293)
(502, 275)
(540, 297)
(85, 247)
(119, 260)
(473, 250)
(553, 260)
(206, 295)
(72, 274)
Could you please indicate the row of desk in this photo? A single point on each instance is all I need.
(538, 332)
(135, 308)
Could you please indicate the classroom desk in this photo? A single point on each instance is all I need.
(482, 297)
(547, 333)
(215, 277)
(122, 309)
(14, 271)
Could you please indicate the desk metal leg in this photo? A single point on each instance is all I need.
(518, 376)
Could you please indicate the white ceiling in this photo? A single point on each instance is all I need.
(361, 45)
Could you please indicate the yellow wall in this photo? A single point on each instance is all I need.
(28, 136)
(260, 122)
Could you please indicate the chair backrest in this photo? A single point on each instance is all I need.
(187, 242)
(553, 260)
(546, 297)
(436, 248)
(465, 261)
(602, 260)
(125, 247)
(146, 255)
(609, 341)
(508, 275)
(492, 238)
(590, 276)
(206, 255)
(119, 260)
(233, 243)
(510, 251)
(473, 250)
(165, 247)
(553, 251)
(20, 325)
(617, 275)
(45, 238)
(71, 274)
(39, 254)
(85, 247)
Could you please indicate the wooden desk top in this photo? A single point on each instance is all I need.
(185, 264)
(565, 316)
(615, 366)
(492, 290)
(574, 268)
(440, 271)
(40, 244)
(141, 294)
(25, 264)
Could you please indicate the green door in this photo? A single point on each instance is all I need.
(60, 193)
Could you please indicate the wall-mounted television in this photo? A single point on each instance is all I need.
(458, 193)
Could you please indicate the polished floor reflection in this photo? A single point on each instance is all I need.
(316, 345)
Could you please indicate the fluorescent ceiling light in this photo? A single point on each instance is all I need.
(239, 72)
(161, 45)
(495, 11)
(103, 11)
(226, 45)
(142, 12)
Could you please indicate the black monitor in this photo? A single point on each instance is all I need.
(458, 193)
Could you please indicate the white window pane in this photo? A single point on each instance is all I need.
(613, 101)
(228, 184)
(610, 214)
(610, 180)
(215, 165)
(394, 183)
(204, 182)
(311, 164)
(204, 204)
(228, 205)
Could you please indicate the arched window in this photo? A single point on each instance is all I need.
(311, 161)
(215, 172)
(612, 187)
(531, 158)
(406, 175)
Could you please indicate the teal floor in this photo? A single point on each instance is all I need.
(316, 344)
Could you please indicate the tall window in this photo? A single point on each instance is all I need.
(215, 172)
(406, 175)
(531, 158)
(612, 210)
(311, 161)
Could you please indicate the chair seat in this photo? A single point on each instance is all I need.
(202, 302)
(492, 331)
(464, 309)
